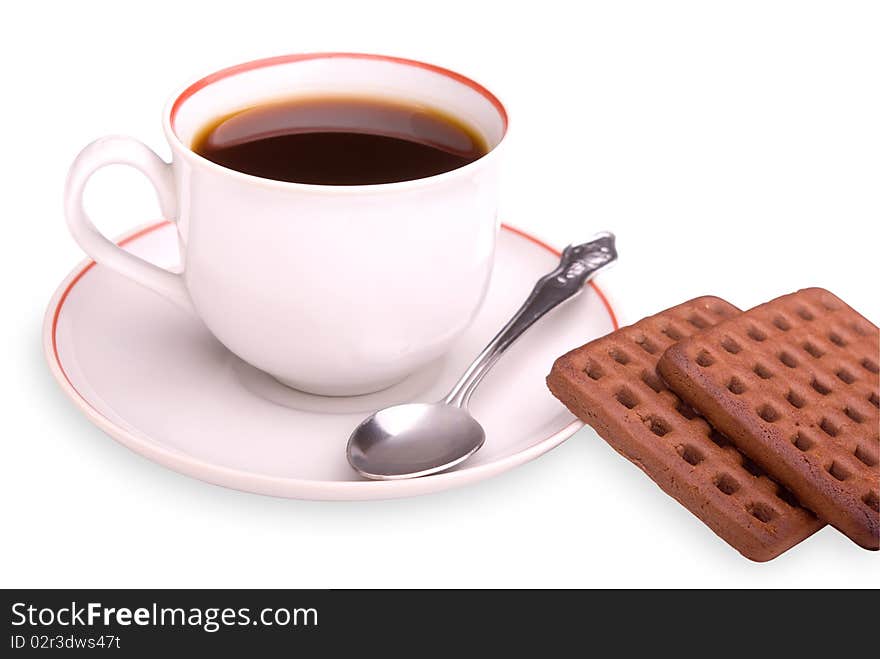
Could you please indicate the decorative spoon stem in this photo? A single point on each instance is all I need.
(578, 264)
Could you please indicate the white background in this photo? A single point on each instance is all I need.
(733, 146)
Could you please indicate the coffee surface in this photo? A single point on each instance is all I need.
(339, 141)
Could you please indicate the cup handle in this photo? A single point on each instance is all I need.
(121, 150)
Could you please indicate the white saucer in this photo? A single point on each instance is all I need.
(154, 379)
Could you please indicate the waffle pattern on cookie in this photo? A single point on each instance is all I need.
(794, 384)
(612, 384)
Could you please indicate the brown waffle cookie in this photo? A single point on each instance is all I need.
(612, 384)
(794, 383)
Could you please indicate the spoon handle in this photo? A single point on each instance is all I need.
(577, 266)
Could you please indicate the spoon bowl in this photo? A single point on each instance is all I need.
(415, 439)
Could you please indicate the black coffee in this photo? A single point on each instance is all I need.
(339, 141)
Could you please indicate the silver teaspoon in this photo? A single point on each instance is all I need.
(418, 439)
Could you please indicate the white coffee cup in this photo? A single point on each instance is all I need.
(335, 290)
